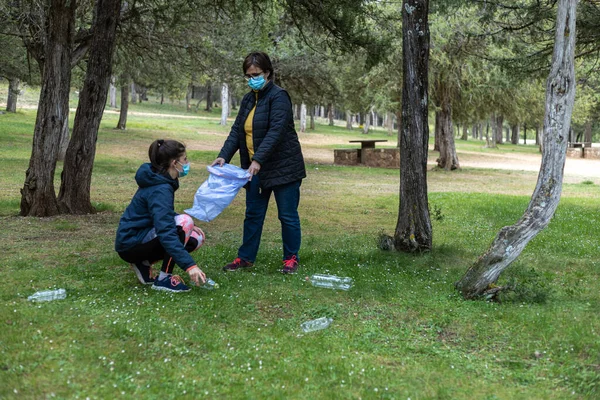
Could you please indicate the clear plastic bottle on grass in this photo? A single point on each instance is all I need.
(48, 295)
(316, 324)
(210, 284)
(331, 281)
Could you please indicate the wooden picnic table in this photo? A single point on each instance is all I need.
(367, 143)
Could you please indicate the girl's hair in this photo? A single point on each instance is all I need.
(261, 60)
(161, 153)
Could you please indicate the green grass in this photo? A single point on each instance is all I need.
(400, 332)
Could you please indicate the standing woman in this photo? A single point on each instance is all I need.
(150, 230)
(265, 136)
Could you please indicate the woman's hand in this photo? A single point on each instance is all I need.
(196, 275)
(254, 168)
(218, 160)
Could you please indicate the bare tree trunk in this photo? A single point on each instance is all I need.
(587, 136)
(38, 197)
(330, 113)
(367, 123)
(112, 93)
(13, 94)
(188, 97)
(303, 118)
(499, 130)
(448, 158)
(224, 103)
(514, 139)
(63, 140)
(133, 93)
(389, 123)
(490, 142)
(311, 124)
(524, 133)
(465, 133)
(413, 230)
(560, 95)
(76, 179)
(122, 124)
(436, 135)
(209, 97)
(348, 120)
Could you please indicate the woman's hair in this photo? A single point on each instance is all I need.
(161, 153)
(259, 59)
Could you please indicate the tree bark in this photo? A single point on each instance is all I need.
(13, 94)
(560, 95)
(587, 136)
(224, 103)
(76, 179)
(188, 97)
(465, 133)
(303, 117)
(367, 123)
(389, 122)
(448, 158)
(122, 124)
(38, 197)
(490, 142)
(348, 120)
(113, 93)
(209, 98)
(311, 123)
(413, 230)
(330, 113)
(133, 93)
(499, 130)
(514, 139)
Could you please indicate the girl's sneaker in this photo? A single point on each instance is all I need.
(172, 283)
(143, 271)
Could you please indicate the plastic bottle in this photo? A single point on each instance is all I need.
(210, 284)
(48, 295)
(316, 324)
(331, 281)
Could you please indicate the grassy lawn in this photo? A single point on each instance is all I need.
(401, 331)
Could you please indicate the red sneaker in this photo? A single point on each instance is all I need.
(237, 264)
(290, 265)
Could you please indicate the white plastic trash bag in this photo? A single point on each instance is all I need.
(218, 191)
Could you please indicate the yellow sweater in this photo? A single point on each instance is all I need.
(248, 129)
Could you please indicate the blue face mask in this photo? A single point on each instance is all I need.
(185, 169)
(256, 83)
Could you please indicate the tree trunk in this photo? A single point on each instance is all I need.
(389, 123)
(224, 103)
(330, 113)
(524, 133)
(13, 94)
(122, 124)
(448, 158)
(312, 119)
(560, 95)
(348, 120)
(436, 136)
(76, 179)
(133, 93)
(499, 130)
(112, 93)
(413, 230)
(209, 98)
(367, 123)
(465, 133)
(587, 137)
(303, 118)
(38, 197)
(188, 97)
(490, 142)
(514, 139)
(63, 140)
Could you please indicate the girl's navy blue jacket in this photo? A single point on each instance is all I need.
(276, 145)
(152, 206)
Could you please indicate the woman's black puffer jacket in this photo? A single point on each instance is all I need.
(276, 145)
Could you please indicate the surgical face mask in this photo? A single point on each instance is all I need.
(185, 169)
(256, 83)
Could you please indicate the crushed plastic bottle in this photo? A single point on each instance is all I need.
(331, 281)
(210, 284)
(48, 295)
(316, 324)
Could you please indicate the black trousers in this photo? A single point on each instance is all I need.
(153, 251)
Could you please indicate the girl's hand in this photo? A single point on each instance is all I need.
(254, 168)
(218, 160)
(196, 275)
